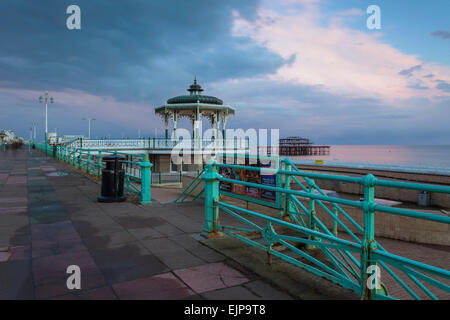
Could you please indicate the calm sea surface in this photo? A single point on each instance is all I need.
(433, 158)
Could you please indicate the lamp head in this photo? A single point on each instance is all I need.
(40, 99)
(51, 100)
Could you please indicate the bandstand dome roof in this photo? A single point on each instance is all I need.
(195, 89)
(194, 98)
(186, 104)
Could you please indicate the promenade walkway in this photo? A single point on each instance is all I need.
(50, 219)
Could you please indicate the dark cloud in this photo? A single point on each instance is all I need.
(135, 50)
(409, 72)
(441, 34)
(443, 85)
(418, 86)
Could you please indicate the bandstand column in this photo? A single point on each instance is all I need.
(224, 123)
(217, 128)
(193, 126)
(166, 122)
(213, 124)
(175, 124)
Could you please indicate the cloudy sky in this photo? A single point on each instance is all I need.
(308, 67)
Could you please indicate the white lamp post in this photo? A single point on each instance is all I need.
(34, 124)
(89, 126)
(46, 98)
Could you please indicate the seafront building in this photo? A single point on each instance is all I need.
(8, 137)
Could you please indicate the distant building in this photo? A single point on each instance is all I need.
(8, 136)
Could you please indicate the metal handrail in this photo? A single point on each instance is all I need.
(318, 235)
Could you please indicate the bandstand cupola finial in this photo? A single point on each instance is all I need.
(195, 89)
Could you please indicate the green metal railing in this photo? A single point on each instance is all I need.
(354, 263)
(136, 166)
(191, 187)
(163, 178)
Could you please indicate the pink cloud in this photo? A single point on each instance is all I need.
(78, 104)
(343, 60)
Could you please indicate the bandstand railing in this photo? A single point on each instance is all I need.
(156, 143)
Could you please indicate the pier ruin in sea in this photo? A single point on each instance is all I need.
(297, 146)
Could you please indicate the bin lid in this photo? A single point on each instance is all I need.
(113, 157)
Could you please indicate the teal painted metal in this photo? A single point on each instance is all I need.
(146, 181)
(88, 162)
(190, 188)
(288, 206)
(99, 163)
(211, 179)
(140, 170)
(369, 244)
(347, 271)
(312, 212)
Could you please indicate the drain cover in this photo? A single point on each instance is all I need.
(57, 174)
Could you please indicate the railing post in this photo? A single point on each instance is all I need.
(99, 163)
(288, 205)
(88, 160)
(211, 181)
(368, 264)
(312, 213)
(80, 159)
(146, 181)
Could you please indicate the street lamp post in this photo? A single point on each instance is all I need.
(46, 98)
(89, 126)
(34, 124)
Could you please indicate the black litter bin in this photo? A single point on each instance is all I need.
(113, 179)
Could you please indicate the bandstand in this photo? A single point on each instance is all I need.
(195, 107)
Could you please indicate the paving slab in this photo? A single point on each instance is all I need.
(20, 286)
(161, 287)
(233, 293)
(211, 277)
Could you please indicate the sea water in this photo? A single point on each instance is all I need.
(426, 159)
